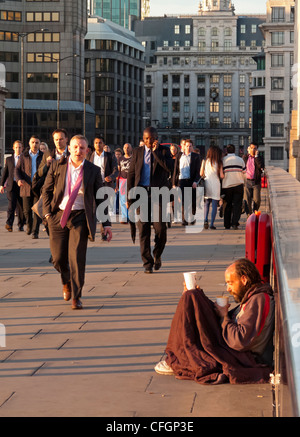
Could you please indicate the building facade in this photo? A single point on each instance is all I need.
(114, 71)
(118, 11)
(44, 40)
(294, 161)
(279, 62)
(199, 74)
(3, 93)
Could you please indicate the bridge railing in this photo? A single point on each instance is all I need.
(284, 208)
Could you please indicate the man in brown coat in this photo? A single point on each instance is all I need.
(26, 168)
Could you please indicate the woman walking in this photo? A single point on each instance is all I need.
(212, 172)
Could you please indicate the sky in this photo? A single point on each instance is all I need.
(173, 7)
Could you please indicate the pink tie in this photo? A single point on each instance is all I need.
(72, 196)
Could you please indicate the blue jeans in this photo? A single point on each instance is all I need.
(213, 212)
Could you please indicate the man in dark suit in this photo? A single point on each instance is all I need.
(150, 167)
(60, 139)
(12, 190)
(108, 165)
(69, 206)
(187, 174)
(25, 170)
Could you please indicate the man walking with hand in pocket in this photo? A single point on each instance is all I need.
(69, 206)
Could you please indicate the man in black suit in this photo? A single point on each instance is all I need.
(150, 167)
(60, 139)
(187, 174)
(72, 222)
(26, 168)
(108, 165)
(12, 190)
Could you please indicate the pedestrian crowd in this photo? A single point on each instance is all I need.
(59, 187)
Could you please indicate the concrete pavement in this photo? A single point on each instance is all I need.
(99, 361)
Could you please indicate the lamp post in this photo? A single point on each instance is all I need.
(58, 62)
(84, 99)
(23, 35)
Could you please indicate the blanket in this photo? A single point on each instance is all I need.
(196, 349)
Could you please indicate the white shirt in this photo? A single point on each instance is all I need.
(16, 162)
(184, 166)
(79, 201)
(234, 171)
(99, 161)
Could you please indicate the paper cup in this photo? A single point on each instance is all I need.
(222, 301)
(190, 280)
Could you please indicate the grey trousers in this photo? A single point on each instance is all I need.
(68, 248)
(252, 195)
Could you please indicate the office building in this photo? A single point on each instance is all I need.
(278, 31)
(114, 72)
(294, 155)
(119, 11)
(199, 74)
(45, 41)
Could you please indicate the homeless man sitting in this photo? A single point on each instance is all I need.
(211, 345)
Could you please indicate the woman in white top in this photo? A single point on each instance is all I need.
(212, 171)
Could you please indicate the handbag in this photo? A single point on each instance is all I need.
(37, 208)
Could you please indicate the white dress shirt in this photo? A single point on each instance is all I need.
(184, 166)
(99, 161)
(79, 201)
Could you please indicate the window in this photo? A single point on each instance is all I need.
(242, 78)
(214, 31)
(176, 61)
(277, 60)
(201, 31)
(214, 78)
(276, 153)
(214, 107)
(227, 106)
(227, 122)
(166, 44)
(253, 28)
(10, 16)
(202, 45)
(278, 14)
(227, 45)
(176, 107)
(277, 83)
(201, 78)
(227, 31)
(227, 92)
(201, 107)
(242, 106)
(277, 38)
(175, 78)
(42, 16)
(187, 29)
(214, 60)
(277, 129)
(42, 57)
(214, 45)
(277, 106)
(43, 37)
(176, 29)
(9, 36)
(243, 28)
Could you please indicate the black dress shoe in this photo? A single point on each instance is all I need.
(21, 229)
(157, 263)
(35, 236)
(148, 270)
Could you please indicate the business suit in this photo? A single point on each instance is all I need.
(110, 167)
(68, 245)
(13, 193)
(23, 172)
(194, 176)
(161, 166)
